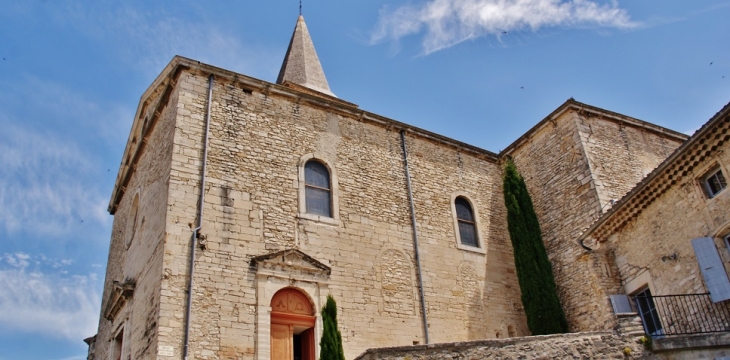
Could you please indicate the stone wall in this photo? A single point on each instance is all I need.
(596, 345)
(257, 144)
(620, 155)
(137, 241)
(627, 342)
(573, 165)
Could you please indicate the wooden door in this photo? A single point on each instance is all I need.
(281, 342)
(308, 344)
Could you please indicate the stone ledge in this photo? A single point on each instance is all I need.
(686, 342)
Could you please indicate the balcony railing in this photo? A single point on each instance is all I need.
(665, 315)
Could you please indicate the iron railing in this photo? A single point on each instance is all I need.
(664, 315)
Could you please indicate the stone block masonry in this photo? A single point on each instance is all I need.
(596, 345)
(574, 163)
(257, 141)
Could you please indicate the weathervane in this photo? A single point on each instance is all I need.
(300, 7)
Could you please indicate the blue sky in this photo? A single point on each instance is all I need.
(480, 71)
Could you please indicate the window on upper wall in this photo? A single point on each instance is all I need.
(131, 222)
(466, 221)
(317, 189)
(714, 182)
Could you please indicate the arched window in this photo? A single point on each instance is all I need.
(317, 189)
(467, 224)
(131, 222)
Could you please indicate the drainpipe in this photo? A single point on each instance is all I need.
(415, 235)
(196, 231)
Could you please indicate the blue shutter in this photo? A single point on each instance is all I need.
(712, 269)
(621, 304)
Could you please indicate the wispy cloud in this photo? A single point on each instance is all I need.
(449, 22)
(46, 303)
(62, 109)
(42, 185)
(51, 176)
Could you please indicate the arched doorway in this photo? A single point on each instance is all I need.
(292, 326)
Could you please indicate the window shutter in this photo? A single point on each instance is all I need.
(712, 269)
(621, 304)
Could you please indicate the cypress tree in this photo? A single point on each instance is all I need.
(331, 343)
(539, 293)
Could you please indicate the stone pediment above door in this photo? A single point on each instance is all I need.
(291, 263)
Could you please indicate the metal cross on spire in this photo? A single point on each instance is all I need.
(300, 7)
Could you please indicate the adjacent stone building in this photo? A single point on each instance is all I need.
(241, 204)
(670, 235)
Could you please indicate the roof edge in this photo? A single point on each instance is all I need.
(335, 104)
(179, 63)
(607, 114)
(659, 170)
(139, 130)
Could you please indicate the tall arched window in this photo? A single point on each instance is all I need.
(317, 189)
(467, 223)
(131, 222)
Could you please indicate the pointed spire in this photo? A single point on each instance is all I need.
(301, 65)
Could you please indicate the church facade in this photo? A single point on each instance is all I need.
(241, 204)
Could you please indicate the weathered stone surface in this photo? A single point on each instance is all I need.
(573, 166)
(596, 345)
(140, 258)
(252, 208)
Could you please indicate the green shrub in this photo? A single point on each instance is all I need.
(331, 343)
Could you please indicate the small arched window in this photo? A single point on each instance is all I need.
(317, 189)
(132, 222)
(467, 224)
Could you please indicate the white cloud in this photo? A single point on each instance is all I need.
(449, 22)
(52, 157)
(17, 260)
(44, 185)
(49, 304)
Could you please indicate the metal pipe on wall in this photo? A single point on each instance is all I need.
(415, 236)
(194, 237)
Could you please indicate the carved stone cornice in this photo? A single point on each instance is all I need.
(119, 296)
(291, 263)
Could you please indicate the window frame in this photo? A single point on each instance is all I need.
(705, 181)
(334, 219)
(481, 246)
(117, 342)
(309, 185)
(650, 312)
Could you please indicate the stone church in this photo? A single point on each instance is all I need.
(241, 204)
